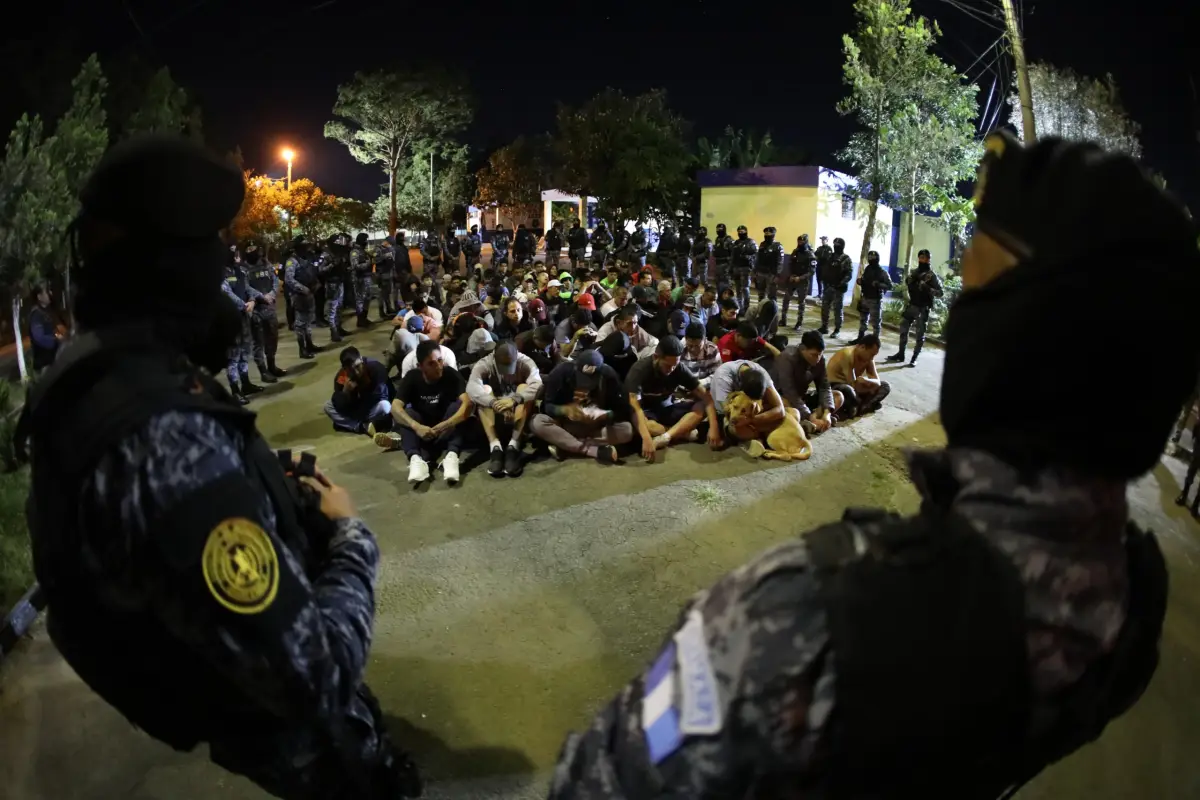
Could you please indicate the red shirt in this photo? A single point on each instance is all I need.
(731, 352)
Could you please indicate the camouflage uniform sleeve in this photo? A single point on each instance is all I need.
(735, 702)
(302, 655)
(289, 278)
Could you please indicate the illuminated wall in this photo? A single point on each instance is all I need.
(928, 237)
(791, 209)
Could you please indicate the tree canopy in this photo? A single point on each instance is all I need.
(515, 176)
(383, 117)
(738, 149)
(631, 153)
(1078, 108)
(914, 110)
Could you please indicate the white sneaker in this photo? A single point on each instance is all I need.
(418, 470)
(662, 441)
(450, 468)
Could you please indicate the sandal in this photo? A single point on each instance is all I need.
(607, 454)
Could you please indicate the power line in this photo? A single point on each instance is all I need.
(979, 16)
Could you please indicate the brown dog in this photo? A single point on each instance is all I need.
(786, 442)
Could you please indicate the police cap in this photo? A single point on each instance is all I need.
(769, 230)
(126, 188)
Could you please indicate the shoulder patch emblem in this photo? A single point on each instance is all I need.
(240, 566)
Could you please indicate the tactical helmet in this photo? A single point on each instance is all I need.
(703, 231)
(361, 238)
(923, 253)
(721, 228)
(839, 242)
(474, 229)
(803, 239)
(872, 254)
(769, 230)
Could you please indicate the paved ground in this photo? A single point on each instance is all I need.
(510, 609)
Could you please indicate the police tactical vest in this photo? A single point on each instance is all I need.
(928, 633)
(262, 278)
(236, 282)
(306, 274)
(723, 249)
(106, 386)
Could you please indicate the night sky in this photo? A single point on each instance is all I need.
(265, 74)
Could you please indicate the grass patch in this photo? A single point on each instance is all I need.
(707, 496)
(16, 561)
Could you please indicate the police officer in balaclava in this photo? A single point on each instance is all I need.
(767, 263)
(237, 288)
(577, 242)
(303, 281)
(501, 239)
(723, 255)
(801, 265)
(701, 254)
(836, 273)
(197, 587)
(554, 245)
(334, 269)
(264, 324)
(361, 264)
(472, 247)
(665, 252)
(745, 251)
(639, 245)
(1009, 620)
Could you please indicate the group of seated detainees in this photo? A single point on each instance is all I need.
(595, 364)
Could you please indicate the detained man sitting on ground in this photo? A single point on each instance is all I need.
(751, 379)
(620, 297)
(626, 321)
(431, 407)
(700, 356)
(362, 394)
(539, 345)
(745, 343)
(405, 338)
(852, 373)
(719, 325)
(413, 359)
(652, 384)
(585, 410)
(503, 387)
(574, 328)
(799, 368)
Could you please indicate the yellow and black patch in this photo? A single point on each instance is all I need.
(240, 566)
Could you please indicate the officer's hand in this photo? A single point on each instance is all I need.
(335, 500)
(249, 306)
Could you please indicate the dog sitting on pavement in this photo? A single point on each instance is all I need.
(786, 442)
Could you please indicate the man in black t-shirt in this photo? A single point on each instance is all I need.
(660, 421)
(721, 324)
(431, 406)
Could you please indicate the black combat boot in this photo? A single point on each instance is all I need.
(304, 351)
(895, 358)
(278, 372)
(312, 348)
(823, 330)
(249, 388)
(238, 397)
(336, 335)
(341, 331)
(265, 374)
(362, 321)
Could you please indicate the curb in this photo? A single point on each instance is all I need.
(20, 618)
(929, 338)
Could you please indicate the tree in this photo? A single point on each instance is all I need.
(39, 186)
(151, 102)
(261, 217)
(630, 153)
(514, 177)
(890, 68)
(80, 139)
(1079, 108)
(383, 115)
(451, 184)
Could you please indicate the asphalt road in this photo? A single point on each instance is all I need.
(509, 610)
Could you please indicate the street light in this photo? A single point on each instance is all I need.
(288, 155)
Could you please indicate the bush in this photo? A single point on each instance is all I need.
(16, 562)
(951, 289)
(892, 311)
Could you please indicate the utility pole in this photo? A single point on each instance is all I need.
(1023, 88)
(430, 187)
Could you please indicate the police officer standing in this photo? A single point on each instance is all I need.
(501, 239)
(431, 256)
(601, 241)
(334, 268)
(767, 263)
(524, 245)
(874, 281)
(451, 251)
(723, 255)
(835, 278)
(620, 245)
(1010, 620)
(237, 365)
(745, 252)
(302, 279)
(403, 261)
(191, 583)
(923, 288)
(360, 266)
(577, 242)
(554, 246)
(683, 254)
(665, 252)
(473, 248)
(264, 325)
(385, 273)
(701, 254)
(639, 246)
(801, 266)
(824, 253)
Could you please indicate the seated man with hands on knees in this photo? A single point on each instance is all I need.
(362, 393)
(504, 387)
(661, 421)
(431, 407)
(585, 410)
(852, 373)
(797, 370)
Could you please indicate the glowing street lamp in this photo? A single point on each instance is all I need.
(288, 154)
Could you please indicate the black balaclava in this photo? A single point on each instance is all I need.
(1050, 207)
(742, 232)
(873, 258)
(839, 245)
(171, 280)
(768, 235)
(721, 229)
